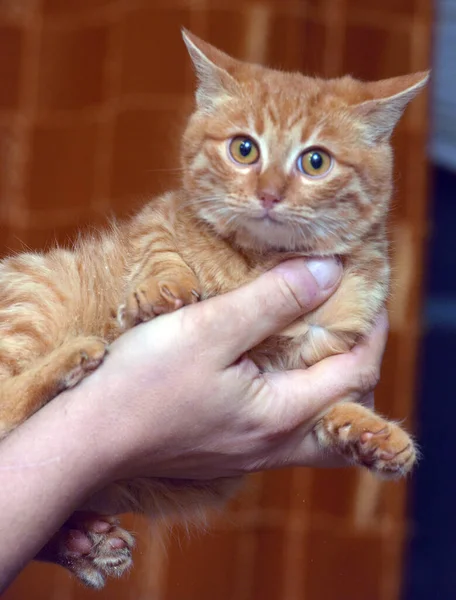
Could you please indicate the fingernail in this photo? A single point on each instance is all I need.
(325, 271)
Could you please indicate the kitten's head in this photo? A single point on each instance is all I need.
(280, 160)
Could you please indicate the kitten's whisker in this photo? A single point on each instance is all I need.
(232, 220)
(203, 200)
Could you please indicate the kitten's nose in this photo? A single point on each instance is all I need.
(269, 198)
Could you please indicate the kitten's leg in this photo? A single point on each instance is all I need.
(159, 288)
(92, 547)
(353, 430)
(23, 394)
(366, 439)
(160, 280)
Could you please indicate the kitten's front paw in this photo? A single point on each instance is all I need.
(92, 547)
(367, 439)
(79, 358)
(156, 296)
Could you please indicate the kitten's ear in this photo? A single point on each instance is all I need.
(212, 68)
(390, 97)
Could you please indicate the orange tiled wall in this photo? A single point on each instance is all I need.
(93, 95)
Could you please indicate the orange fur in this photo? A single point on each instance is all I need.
(213, 235)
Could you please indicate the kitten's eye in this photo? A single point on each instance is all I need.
(244, 150)
(314, 162)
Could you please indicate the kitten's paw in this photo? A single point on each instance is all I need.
(82, 356)
(94, 548)
(367, 439)
(156, 296)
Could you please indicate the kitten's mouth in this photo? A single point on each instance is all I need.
(268, 217)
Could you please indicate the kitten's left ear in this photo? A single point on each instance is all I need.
(390, 97)
(212, 67)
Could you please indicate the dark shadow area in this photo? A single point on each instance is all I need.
(431, 556)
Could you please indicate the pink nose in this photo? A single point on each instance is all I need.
(269, 199)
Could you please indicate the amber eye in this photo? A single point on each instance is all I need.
(244, 150)
(314, 162)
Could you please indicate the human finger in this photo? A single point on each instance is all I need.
(239, 320)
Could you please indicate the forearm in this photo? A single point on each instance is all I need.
(48, 467)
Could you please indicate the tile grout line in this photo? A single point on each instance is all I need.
(247, 547)
(18, 209)
(335, 22)
(112, 99)
(295, 560)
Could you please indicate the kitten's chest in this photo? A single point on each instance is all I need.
(330, 329)
(221, 269)
(220, 272)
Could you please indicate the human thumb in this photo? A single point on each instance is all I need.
(238, 321)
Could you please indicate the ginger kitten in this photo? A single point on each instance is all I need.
(274, 165)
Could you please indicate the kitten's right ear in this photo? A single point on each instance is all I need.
(390, 97)
(212, 67)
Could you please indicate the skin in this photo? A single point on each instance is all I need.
(163, 405)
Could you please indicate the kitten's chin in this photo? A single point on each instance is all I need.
(267, 234)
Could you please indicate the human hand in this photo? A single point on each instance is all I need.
(174, 399)
(177, 400)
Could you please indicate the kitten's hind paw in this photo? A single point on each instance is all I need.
(367, 439)
(155, 296)
(92, 547)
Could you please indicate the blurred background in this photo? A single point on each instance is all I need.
(93, 96)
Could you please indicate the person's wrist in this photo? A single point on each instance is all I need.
(89, 438)
(100, 415)
(57, 445)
